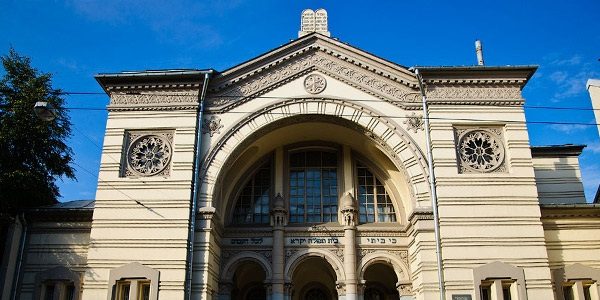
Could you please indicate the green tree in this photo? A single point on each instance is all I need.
(33, 152)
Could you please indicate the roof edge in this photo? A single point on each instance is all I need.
(557, 150)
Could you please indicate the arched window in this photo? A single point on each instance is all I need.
(313, 186)
(374, 202)
(252, 206)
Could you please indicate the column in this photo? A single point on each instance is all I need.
(279, 219)
(348, 208)
(349, 214)
(360, 288)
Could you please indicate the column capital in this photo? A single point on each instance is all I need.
(404, 288)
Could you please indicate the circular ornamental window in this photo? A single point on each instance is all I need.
(480, 150)
(149, 155)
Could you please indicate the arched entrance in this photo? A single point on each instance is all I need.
(314, 279)
(248, 282)
(380, 282)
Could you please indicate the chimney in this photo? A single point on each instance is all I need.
(479, 51)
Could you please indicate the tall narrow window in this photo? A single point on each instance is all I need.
(313, 187)
(252, 205)
(374, 202)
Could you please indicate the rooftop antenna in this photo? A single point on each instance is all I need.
(479, 51)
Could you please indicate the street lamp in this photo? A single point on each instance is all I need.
(44, 111)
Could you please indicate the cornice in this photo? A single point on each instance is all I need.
(556, 211)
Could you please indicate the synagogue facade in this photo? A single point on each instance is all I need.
(303, 173)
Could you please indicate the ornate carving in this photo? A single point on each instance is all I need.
(266, 253)
(264, 81)
(462, 92)
(212, 126)
(480, 150)
(154, 98)
(340, 287)
(289, 253)
(414, 122)
(340, 253)
(315, 83)
(148, 154)
(405, 289)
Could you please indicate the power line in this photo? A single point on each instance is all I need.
(408, 117)
(325, 98)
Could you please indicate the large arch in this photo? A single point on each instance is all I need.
(234, 261)
(400, 268)
(384, 132)
(295, 259)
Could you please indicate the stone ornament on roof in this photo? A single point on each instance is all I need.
(314, 21)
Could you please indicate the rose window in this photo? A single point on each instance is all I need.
(149, 155)
(481, 151)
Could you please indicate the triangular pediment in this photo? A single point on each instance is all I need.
(361, 70)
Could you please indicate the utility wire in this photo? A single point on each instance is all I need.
(407, 117)
(325, 98)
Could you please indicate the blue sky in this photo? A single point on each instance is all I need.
(76, 39)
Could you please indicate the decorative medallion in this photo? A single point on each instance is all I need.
(414, 122)
(315, 83)
(480, 150)
(212, 126)
(148, 154)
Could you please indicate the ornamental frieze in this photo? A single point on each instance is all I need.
(144, 99)
(473, 93)
(262, 82)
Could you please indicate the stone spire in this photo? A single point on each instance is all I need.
(313, 21)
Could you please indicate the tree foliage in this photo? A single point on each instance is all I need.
(33, 152)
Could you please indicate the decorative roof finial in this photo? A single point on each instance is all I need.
(313, 21)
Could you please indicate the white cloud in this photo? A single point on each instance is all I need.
(572, 61)
(594, 147)
(568, 128)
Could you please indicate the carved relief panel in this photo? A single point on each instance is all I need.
(147, 153)
(480, 149)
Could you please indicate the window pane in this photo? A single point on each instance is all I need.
(586, 292)
(144, 290)
(69, 292)
(568, 292)
(252, 206)
(49, 292)
(374, 202)
(485, 293)
(123, 290)
(506, 292)
(313, 187)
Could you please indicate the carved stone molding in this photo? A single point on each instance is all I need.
(402, 254)
(414, 122)
(147, 154)
(212, 126)
(315, 83)
(473, 92)
(480, 150)
(153, 100)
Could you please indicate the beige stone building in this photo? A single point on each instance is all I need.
(304, 174)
